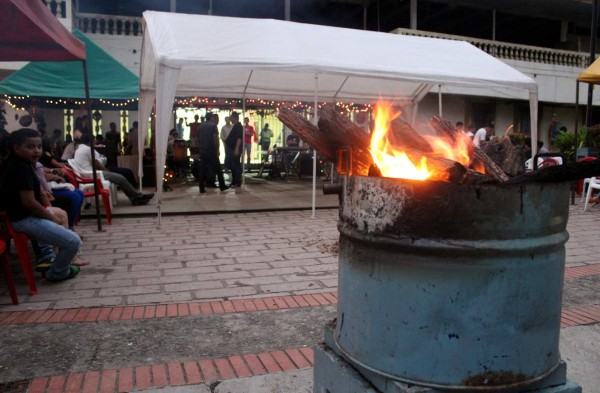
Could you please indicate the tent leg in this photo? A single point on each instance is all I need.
(316, 122)
(89, 115)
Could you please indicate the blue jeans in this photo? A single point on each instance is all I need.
(47, 234)
(75, 199)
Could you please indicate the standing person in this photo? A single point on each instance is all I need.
(133, 139)
(21, 197)
(225, 130)
(265, 141)
(481, 135)
(193, 130)
(112, 138)
(179, 128)
(234, 142)
(249, 133)
(208, 144)
(470, 131)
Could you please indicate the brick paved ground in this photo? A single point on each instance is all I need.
(195, 268)
(197, 257)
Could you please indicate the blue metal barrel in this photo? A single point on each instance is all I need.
(451, 286)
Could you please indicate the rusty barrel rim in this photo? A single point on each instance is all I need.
(447, 387)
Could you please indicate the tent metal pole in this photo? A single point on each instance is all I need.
(243, 141)
(316, 122)
(339, 89)
(576, 145)
(244, 130)
(440, 100)
(89, 115)
(588, 117)
(576, 115)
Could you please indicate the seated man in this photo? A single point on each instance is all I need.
(83, 159)
(293, 141)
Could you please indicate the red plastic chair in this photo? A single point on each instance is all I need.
(7, 232)
(8, 273)
(77, 180)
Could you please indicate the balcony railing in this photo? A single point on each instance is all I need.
(506, 50)
(132, 26)
(57, 7)
(109, 24)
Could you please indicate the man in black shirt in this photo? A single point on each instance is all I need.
(234, 142)
(208, 145)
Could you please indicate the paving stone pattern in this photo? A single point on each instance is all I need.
(197, 257)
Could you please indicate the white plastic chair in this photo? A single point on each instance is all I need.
(586, 181)
(594, 183)
(88, 174)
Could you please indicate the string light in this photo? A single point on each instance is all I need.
(194, 102)
(258, 102)
(10, 100)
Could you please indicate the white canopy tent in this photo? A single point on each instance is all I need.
(212, 56)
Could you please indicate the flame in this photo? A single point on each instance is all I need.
(392, 162)
(461, 151)
(396, 163)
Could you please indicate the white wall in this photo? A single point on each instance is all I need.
(125, 49)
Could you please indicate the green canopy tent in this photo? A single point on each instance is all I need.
(108, 79)
(32, 33)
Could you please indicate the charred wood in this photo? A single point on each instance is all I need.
(480, 159)
(474, 177)
(506, 155)
(489, 166)
(343, 133)
(442, 169)
(308, 132)
(559, 173)
(443, 128)
(402, 135)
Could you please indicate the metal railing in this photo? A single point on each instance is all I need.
(506, 50)
(57, 7)
(109, 24)
(132, 26)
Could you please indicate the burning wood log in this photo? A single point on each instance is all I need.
(480, 160)
(508, 157)
(559, 173)
(442, 169)
(308, 132)
(403, 135)
(444, 128)
(490, 167)
(343, 133)
(474, 177)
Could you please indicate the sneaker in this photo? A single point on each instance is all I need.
(138, 201)
(224, 188)
(148, 196)
(44, 265)
(74, 270)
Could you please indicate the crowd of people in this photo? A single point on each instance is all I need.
(40, 195)
(205, 142)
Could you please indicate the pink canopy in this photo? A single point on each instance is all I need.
(31, 33)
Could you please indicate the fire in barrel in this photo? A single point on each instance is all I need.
(450, 271)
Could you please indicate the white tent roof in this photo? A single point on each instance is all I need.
(217, 54)
(212, 56)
